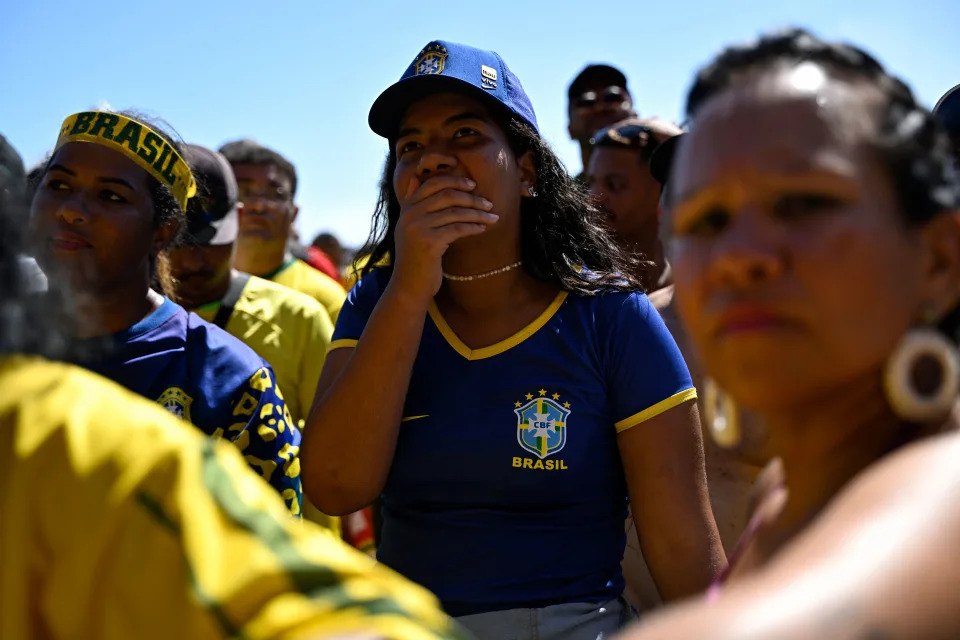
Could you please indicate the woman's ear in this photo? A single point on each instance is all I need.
(165, 234)
(528, 174)
(941, 268)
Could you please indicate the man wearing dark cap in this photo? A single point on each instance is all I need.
(597, 98)
(290, 330)
(948, 112)
(267, 184)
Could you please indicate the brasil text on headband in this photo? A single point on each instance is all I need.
(138, 142)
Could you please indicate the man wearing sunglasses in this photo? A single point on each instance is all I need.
(597, 98)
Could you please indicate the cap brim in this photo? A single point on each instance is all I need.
(661, 161)
(220, 232)
(389, 107)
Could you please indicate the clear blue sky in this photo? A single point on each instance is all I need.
(300, 76)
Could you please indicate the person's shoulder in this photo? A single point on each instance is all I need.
(62, 396)
(318, 279)
(371, 285)
(280, 299)
(887, 490)
(927, 463)
(216, 351)
(26, 376)
(619, 305)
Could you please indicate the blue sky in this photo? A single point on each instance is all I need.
(300, 76)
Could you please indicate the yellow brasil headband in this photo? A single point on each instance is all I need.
(138, 142)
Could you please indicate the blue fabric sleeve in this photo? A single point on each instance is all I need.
(357, 309)
(267, 436)
(646, 373)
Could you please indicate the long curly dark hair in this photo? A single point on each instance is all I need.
(561, 239)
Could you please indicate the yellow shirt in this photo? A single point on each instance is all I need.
(300, 276)
(120, 521)
(286, 328)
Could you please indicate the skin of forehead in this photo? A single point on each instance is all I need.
(248, 172)
(74, 155)
(423, 107)
(848, 103)
(848, 111)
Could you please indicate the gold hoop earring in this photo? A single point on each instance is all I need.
(921, 378)
(721, 415)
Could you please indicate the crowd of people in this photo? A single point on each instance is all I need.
(707, 387)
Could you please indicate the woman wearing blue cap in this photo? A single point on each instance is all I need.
(501, 386)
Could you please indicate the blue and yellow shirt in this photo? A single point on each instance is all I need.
(506, 488)
(288, 329)
(204, 375)
(119, 521)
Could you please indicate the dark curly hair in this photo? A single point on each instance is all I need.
(914, 146)
(562, 243)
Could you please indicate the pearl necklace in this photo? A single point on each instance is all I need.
(485, 274)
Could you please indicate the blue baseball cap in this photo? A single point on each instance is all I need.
(448, 66)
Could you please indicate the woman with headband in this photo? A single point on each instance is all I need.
(816, 253)
(500, 385)
(111, 198)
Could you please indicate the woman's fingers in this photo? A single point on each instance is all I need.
(459, 214)
(434, 186)
(412, 187)
(450, 233)
(444, 200)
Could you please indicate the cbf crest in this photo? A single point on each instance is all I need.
(176, 401)
(542, 423)
(430, 60)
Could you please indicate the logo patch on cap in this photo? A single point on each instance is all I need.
(430, 60)
(488, 77)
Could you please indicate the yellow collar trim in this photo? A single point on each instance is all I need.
(138, 142)
(503, 345)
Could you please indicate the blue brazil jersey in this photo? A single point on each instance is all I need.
(506, 489)
(206, 376)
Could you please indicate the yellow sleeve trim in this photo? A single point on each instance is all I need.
(341, 344)
(657, 409)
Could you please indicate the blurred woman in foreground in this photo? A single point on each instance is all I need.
(817, 264)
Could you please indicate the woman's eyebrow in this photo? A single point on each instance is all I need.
(60, 167)
(119, 181)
